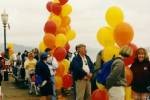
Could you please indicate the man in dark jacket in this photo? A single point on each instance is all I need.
(43, 73)
(82, 69)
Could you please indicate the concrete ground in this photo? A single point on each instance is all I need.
(11, 91)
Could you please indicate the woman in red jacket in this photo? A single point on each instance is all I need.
(141, 75)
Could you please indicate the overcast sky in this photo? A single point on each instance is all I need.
(27, 19)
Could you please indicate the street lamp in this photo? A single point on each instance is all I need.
(4, 17)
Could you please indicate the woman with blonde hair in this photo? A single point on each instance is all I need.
(29, 65)
(141, 75)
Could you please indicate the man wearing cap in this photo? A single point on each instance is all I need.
(82, 69)
(53, 65)
(43, 74)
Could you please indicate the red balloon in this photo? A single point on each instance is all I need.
(62, 2)
(67, 81)
(67, 47)
(60, 53)
(129, 75)
(100, 95)
(56, 8)
(50, 27)
(49, 6)
(130, 59)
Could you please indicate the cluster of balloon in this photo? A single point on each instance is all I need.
(10, 47)
(116, 35)
(58, 34)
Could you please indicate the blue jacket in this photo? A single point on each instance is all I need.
(76, 67)
(42, 72)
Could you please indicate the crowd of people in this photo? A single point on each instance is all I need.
(38, 69)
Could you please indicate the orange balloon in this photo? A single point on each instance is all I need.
(65, 21)
(123, 34)
(49, 40)
(61, 30)
(58, 82)
(60, 70)
(129, 75)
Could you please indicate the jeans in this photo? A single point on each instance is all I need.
(53, 86)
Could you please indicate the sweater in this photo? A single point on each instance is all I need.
(141, 76)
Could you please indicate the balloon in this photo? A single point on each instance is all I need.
(66, 64)
(105, 36)
(56, 8)
(70, 35)
(100, 86)
(50, 27)
(42, 46)
(49, 6)
(10, 45)
(128, 93)
(61, 40)
(67, 47)
(58, 82)
(66, 10)
(123, 34)
(61, 30)
(129, 75)
(114, 16)
(65, 21)
(60, 53)
(49, 40)
(62, 2)
(67, 81)
(56, 1)
(60, 70)
(130, 60)
(100, 95)
(56, 20)
(11, 51)
(109, 52)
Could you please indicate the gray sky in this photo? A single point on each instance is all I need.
(27, 19)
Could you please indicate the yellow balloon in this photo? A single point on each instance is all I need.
(10, 45)
(66, 64)
(42, 46)
(66, 10)
(109, 52)
(56, 1)
(100, 86)
(70, 35)
(11, 51)
(128, 93)
(114, 16)
(58, 82)
(61, 40)
(56, 19)
(105, 36)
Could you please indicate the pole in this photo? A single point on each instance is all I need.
(6, 76)
(5, 38)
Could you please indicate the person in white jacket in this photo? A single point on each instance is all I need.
(53, 65)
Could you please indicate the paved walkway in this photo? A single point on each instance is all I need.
(12, 92)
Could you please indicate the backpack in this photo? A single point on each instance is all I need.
(104, 72)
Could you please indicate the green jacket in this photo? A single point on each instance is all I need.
(117, 74)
